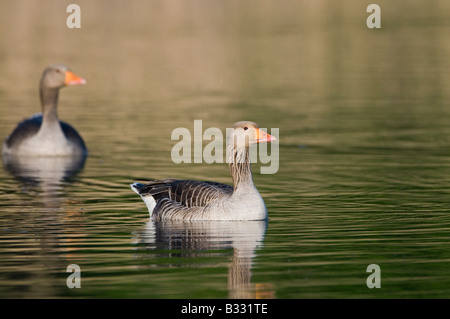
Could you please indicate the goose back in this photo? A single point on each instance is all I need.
(188, 193)
(175, 197)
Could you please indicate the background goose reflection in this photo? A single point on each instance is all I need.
(47, 173)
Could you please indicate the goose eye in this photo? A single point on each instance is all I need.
(245, 128)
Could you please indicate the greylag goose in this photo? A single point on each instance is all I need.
(174, 199)
(43, 134)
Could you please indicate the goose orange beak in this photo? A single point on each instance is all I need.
(263, 137)
(73, 79)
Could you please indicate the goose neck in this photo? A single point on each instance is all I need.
(240, 167)
(49, 101)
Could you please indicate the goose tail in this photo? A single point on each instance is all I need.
(137, 187)
(147, 198)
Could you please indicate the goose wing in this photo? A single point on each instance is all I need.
(72, 135)
(186, 193)
(24, 130)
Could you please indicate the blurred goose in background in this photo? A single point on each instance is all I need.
(43, 134)
(174, 199)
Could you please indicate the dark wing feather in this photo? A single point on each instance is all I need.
(72, 134)
(24, 130)
(187, 193)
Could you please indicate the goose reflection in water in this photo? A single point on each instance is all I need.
(45, 177)
(190, 239)
(49, 173)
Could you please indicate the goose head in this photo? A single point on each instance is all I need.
(57, 76)
(247, 133)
